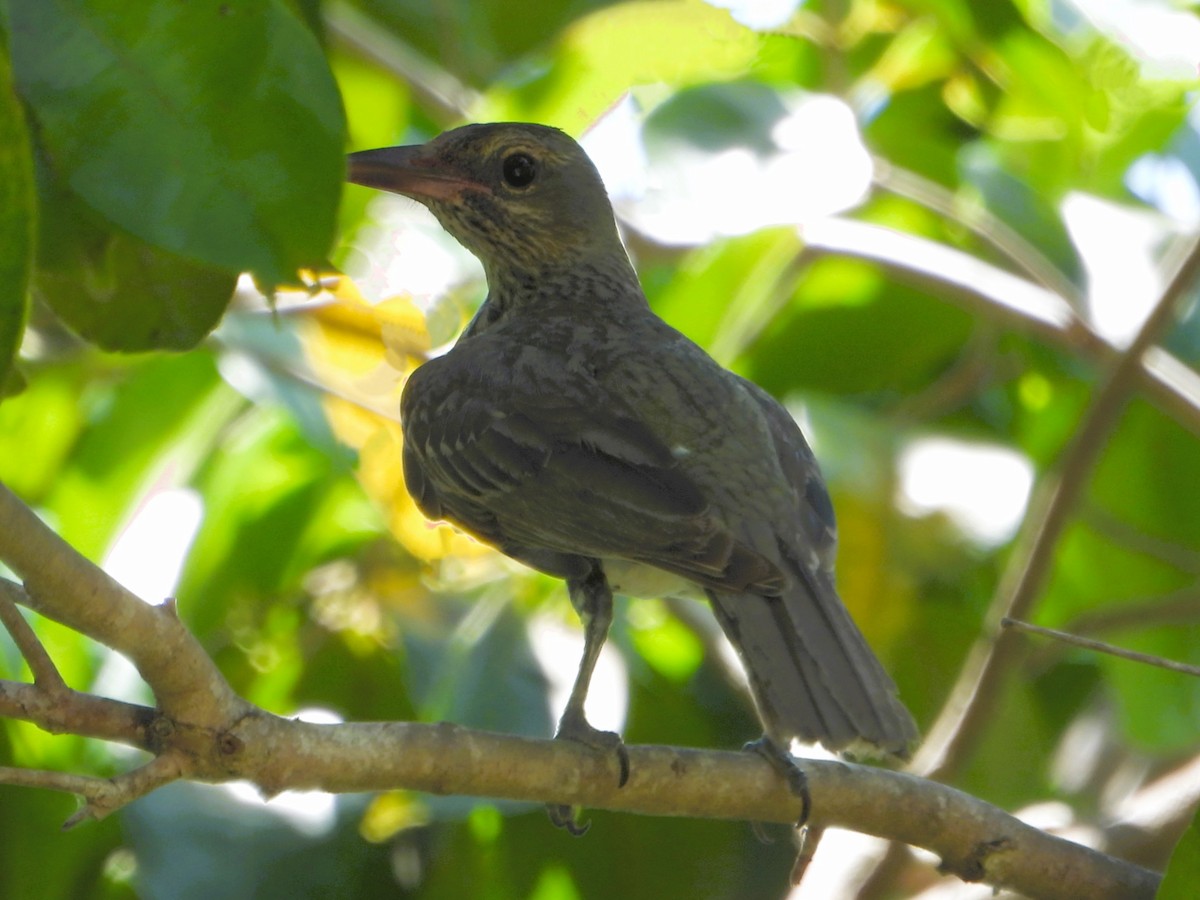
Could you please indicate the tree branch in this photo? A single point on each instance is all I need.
(45, 673)
(980, 220)
(994, 294)
(203, 731)
(1075, 640)
(976, 841)
(439, 91)
(64, 586)
(971, 698)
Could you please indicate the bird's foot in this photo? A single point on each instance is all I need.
(806, 837)
(576, 728)
(785, 764)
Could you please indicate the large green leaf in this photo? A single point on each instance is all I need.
(16, 221)
(38, 429)
(266, 851)
(211, 129)
(130, 296)
(475, 39)
(117, 291)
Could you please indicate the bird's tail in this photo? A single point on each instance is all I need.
(811, 672)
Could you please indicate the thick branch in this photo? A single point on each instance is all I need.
(64, 586)
(975, 840)
(207, 733)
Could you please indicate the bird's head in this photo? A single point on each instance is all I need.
(523, 198)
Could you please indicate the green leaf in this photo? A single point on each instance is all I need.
(139, 297)
(180, 832)
(16, 223)
(115, 290)
(1028, 211)
(722, 294)
(157, 422)
(210, 129)
(488, 34)
(264, 491)
(849, 331)
(1183, 872)
(651, 42)
(38, 429)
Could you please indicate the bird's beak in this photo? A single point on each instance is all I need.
(416, 172)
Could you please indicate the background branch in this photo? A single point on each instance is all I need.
(970, 701)
(995, 294)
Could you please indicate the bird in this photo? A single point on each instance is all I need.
(577, 432)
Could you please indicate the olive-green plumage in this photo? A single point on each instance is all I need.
(577, 432)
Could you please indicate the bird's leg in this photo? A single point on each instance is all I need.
(592, 598)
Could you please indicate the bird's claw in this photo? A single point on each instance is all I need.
(578, 730)
(564, 817)
(783, 763)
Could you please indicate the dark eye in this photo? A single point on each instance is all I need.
(519, 170)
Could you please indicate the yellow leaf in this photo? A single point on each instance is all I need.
(362, 352)
(393, 812)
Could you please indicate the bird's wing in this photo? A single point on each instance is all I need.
(813, 525)
(567, 473)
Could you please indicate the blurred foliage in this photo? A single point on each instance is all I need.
(157, 151)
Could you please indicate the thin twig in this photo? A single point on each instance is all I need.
(1100, 646)
(72, 712)
(45, 673)
(83, 785)
(972, 698)
(102, 796)
(124, 789)
(1172, 608)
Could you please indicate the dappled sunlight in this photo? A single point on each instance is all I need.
(673, 186)
(983, 489)
(1120, 247)
(149, 553)
(1164, 36)
(760, 13)
(406, 252)
(844, 863)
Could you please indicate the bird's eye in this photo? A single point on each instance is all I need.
(519, 170)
